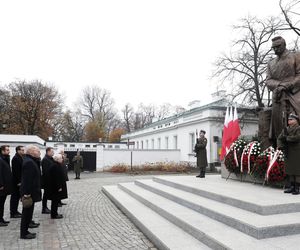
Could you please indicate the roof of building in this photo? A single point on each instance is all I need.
(8, 138)
(222, 103)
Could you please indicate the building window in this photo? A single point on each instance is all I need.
(167, 142)
(147, 144)
(110, 146)
(175, 141)
(87, 146)
(192, 142)
(72, 145)
(152, 143)
(137, 145)
(94, 146)
(158, 143)
(65, 145)
(142, 144)
(117, 146)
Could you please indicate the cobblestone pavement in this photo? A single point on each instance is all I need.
(91, 220)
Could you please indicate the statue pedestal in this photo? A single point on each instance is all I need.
(238, 177)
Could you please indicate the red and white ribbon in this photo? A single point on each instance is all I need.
(272, 160)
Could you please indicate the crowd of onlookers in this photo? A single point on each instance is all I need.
(25, 175)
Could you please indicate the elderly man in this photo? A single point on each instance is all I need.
(30, 187)
(283, 79)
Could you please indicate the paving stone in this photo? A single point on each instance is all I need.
(91, 220)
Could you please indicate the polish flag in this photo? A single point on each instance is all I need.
(235, 130)
(226, 134)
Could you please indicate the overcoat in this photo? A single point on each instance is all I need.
(78, 163)
(283, 71)
(16, 167)
(200, 150)
(291, 145)
(31, 178)
(58, 181)
(5, 178)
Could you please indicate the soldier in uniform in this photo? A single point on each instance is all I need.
(78, 164)
(289, 141)
(200, 149)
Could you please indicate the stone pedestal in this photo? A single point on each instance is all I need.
(239, 177)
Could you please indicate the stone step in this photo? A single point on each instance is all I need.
(162, 233)
(254, 198)
(253, 224)
(214, 234)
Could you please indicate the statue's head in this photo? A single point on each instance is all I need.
(278, 45)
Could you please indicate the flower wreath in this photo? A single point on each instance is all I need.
(270, 165)
(232, 159)
(249, 155)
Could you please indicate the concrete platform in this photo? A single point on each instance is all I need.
(218, 213)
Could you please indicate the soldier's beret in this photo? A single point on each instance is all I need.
(293, 117)
(202, 131)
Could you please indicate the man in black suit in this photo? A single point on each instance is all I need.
(30, 187)
(16, 166)
(47, 162)
(5, 181)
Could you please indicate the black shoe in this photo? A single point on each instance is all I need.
(58, 216)
(32, 224)
(46, 210)
(198, 176)
(289, 190)
(16, 215)
(2, 224)
(5, 221)
(28, 236)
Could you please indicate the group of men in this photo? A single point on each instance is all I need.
(24, 180)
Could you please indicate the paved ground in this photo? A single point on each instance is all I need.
(91, 220)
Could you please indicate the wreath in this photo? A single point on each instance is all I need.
(249, 155)
(233, 158)
(270, 166)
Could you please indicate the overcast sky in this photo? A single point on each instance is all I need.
(153, 51)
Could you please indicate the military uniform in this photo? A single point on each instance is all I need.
(289, 141)
(200, 149)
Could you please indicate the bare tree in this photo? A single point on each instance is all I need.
(128, 117)
(245, 66)
(291, 12)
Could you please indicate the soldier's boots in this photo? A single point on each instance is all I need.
(201, 175)
(296, 190)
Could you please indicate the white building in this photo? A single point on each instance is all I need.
(178, 131)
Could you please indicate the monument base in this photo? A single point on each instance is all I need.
(240, 177)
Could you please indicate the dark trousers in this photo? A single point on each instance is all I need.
(77, 174)
(54, 206)
(14, 201)
(2, 201)
(44, 201)
(26, 219)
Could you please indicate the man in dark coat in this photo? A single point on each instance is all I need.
(47, 162)
(30, 187)
(16, 166)
(5, 181)
(289, 141)
(57, 187)
(200, 149)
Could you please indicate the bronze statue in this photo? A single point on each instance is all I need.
(283, 79)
